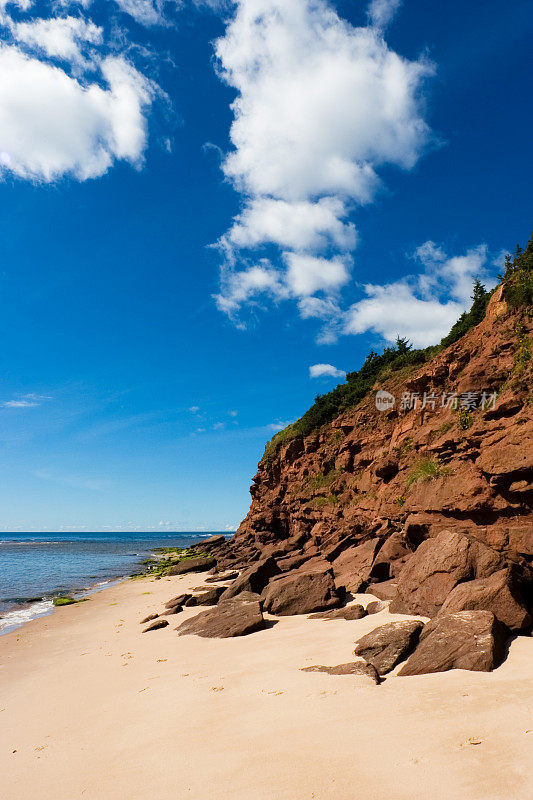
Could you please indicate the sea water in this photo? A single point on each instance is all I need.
(34, 567)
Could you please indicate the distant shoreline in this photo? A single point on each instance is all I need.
(15, 612)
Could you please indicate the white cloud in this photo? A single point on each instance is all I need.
(20, 404)
(395, 309)
(23, 5)
(275, 427)
(31, 400)
(145, 12)
(307, 275)
(456, 273)
(59, 37)
(321, 106)
(319, 308)
(424, 307)
(325, 370)
(51, 125)
(244, 286)
(381, 12)
(301, 225)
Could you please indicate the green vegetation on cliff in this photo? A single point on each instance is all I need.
(518, 277)
(518, 291)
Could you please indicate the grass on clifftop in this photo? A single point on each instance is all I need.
(518, 291)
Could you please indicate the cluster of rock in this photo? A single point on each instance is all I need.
(475, 600)
(425, 508)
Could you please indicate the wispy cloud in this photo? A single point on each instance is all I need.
(26, 401)
(277, 426)
(70, 480)
(382, 12)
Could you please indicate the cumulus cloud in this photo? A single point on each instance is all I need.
(52, 125)
(307, 275)
(395, 309)
(325, 370)
(302, 225)
(422, 307)
(65, 38)
(321, 106)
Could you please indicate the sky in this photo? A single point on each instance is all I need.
(211, 211)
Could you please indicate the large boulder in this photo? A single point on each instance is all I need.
(179, 600)
(377, 606)
(386, 646)
(222, 577)
(353, 566)
(301, 593)
(503, 593)
(200, 564)
(209, 596)
(391, 557)
(254, 579)
(211, 541)
(386, 590)
(436, 568)
(169, 612)
(472, 640)
(233, 617)
(350, 612)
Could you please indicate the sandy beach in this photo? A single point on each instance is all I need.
(91, 708)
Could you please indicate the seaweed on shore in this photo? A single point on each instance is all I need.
(66, 600)
(167, 557)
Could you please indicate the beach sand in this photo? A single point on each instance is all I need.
(91, 708)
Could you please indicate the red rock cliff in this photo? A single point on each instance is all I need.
(394, 478)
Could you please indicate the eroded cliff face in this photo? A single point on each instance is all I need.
(394, 478)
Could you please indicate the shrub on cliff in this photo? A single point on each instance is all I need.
(518, 277)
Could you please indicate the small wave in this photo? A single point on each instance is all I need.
(18, 616)
(24, 542)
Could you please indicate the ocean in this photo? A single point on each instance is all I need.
(36, 566)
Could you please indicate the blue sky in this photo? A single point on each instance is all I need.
(211, 211)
